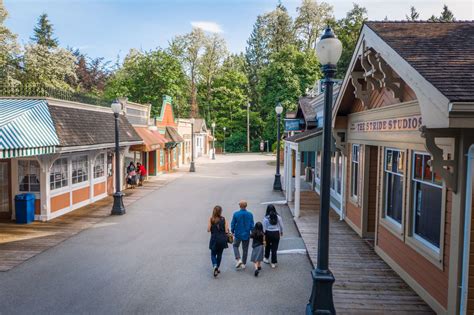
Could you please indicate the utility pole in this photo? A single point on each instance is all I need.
(248, 127)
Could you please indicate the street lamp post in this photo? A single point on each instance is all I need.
(224, 138)
(191, 167)
(248, 127)
(213, 140)
(277, 182)
(118, 207)
(329, 50)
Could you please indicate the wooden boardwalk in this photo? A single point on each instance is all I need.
(365, 284)
(19, 243)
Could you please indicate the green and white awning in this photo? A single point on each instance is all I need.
(26, 128)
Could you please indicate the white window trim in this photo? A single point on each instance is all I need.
(100, 178)
(87, 181)
(334, 193)
(355, 198)
(59, 191)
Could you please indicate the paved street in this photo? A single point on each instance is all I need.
(155, 259)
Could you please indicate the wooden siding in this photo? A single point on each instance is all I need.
(353, 212)
(99, 189)
(80, 195)
(372, 196)
(38, 206)
(384, 97)
(153, 156)
(60, 202)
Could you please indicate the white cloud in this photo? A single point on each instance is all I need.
(208, 26)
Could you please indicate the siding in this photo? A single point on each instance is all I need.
(353, 212)
(99, 189)
(384, 97)
(60, 202)
(80, 195)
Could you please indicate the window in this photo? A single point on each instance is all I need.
(355, 171)
(427, 200)
(336, 172)
(99, 166)
(58, 175)
(162, 157)
(318, 165)
(80, 169)
(29, 176)
(394, 174)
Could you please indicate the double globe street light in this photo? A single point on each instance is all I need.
(224, 138)
(328, 50)
(118, 207)
(277, 182)
(192, 167)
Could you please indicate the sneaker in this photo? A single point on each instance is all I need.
(259, 268)
(216, 271)
(274, 266)
(242, 266)
(265, 260)
(238, 264)
(256, 273)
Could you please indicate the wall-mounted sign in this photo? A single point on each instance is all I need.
(395, 124)
(292, 125)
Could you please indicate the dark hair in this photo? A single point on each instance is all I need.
(258, 230)
(216, 214)
(272, 214)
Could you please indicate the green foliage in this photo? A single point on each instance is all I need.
(414, 15)
(236, 142)
(146, 77)
(9, 50)
(311, 20)
(43, 33)
(446, 16)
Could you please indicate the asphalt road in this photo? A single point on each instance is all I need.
(155, 259)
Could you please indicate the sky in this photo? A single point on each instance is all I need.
(110, 28)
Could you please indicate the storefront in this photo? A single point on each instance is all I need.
(403, 125)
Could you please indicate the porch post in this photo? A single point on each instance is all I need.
(297, 184)
(290, 182)
(284, 168)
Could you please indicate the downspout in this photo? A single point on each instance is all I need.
(467, 232)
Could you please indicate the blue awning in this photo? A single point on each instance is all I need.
(26, 128)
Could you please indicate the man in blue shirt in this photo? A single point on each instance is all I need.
(241, 226)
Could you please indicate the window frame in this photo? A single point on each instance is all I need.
(418, 243)
(85, 180)
(29, 161)
(355, 197)
(62, 188)
(397, 228)
(94, 173)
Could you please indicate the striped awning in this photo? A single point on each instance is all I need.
(26, 128)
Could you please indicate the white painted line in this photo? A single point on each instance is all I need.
(292, 251)
(279, 202)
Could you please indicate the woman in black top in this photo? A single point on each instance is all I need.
(258, 237)
(219, 229)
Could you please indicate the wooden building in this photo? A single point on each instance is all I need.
(404, 123)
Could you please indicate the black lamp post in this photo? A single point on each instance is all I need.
(118, 207)
(277, 182)
(213, 141)
(329, 51)
(191, 167)
(224, 138)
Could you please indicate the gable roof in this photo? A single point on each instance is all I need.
(199, 125)
(442, 52)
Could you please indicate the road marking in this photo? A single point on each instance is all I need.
(292, 251)
(278, 202)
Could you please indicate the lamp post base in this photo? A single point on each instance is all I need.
(321, 301)
(118, 207)
(191, 167)
(213, 155)
(277, 183)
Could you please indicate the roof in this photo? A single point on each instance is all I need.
(152, 139)
(26, 128)
(83, 127)
(199, 125)
(301, 136)
(291, 114)
(173, 135)
(442, 52)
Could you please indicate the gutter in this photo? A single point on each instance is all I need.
(95, 146)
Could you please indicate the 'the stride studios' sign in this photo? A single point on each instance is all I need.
(394, 124)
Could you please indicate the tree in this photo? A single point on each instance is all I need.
(214, 53)
(311, 19)
(347, 30)
(43, 33)
(9, 51)
(189, 48)
(279, 28)
(414, 15)
(91, 73)
(146, 77)
(446, 15)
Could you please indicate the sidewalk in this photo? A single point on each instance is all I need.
(365, 284)
(19, 243)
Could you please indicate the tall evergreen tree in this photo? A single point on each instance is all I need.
(279, 28)
(43, 33)
(9, 51)
(446, 15)
(414, 15)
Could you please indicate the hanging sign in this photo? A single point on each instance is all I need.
(394, 124)
(292, 125)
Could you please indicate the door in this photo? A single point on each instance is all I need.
(372, 191)
(5, 193)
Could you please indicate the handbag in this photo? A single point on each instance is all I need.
(230, 238)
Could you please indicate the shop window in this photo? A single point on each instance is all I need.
(99, 164)
(336, 172)
(394, 177)
(80, 169)
(162, 157)
(29, 176)
(58, 175)
(355, 171)
(318, 165)
(427, 201)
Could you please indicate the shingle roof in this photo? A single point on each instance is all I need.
(304, 135)
(82, 127)
(173, 135)
(442, 52)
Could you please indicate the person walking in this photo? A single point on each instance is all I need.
(141, 173)
(273, 228)
(258, 237)
(241, 226)
(218, 227)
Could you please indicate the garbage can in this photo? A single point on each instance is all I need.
(25, 208)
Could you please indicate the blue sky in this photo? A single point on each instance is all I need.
(110, 28)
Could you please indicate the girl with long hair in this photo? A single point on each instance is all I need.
(258, 237)
(219, 229)
(273, 228)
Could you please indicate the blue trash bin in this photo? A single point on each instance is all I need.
(25, 208)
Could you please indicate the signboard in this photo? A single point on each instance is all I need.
(292, 125)
(394, 124)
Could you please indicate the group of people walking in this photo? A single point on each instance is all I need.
(265, 237)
